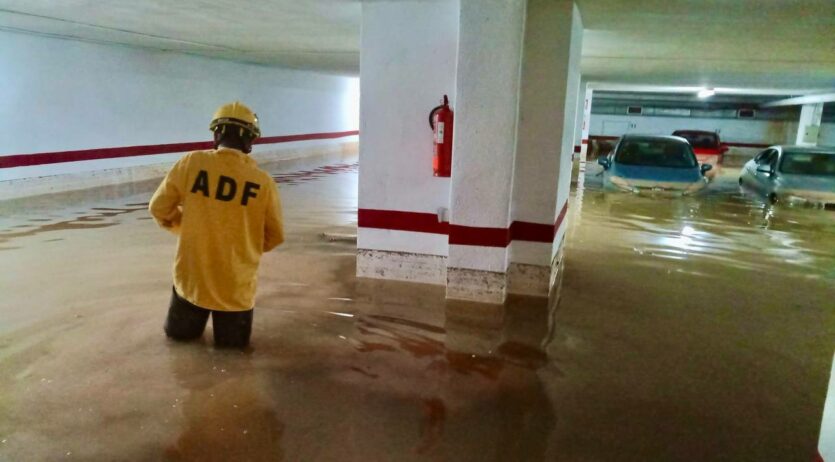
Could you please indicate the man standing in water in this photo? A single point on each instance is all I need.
(227, 212)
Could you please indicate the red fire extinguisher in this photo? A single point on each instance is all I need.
(440, 121)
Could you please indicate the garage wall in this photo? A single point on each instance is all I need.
(62, 95)
(827, 134)
(730, 130)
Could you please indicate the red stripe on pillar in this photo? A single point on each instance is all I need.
(584, 141)
(402, 221)
(560, 219)
(27, 160)
(532, 232)
(472, 235)
(419, 222)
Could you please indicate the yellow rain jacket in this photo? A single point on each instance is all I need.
(227, 212)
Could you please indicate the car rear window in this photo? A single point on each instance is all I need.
(700, 140)
(808, 163)
(656, 153)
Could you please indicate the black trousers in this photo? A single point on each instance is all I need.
(187, 321)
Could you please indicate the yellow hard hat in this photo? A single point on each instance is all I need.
(238, 114)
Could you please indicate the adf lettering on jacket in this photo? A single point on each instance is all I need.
(227, 213)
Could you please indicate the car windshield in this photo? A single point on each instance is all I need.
(656, 153)
(699, 139)
(808, 163)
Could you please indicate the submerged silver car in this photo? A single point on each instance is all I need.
(793, 174)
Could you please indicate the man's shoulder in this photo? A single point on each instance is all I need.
(187, 157)
(206, 158)
(199, 153)
(265, 175)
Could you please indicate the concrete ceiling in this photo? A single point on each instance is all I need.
(718, 43)
(721, 43)
(310, 34)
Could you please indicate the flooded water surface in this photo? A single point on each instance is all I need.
(694, 328)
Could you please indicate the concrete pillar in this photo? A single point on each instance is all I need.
(517, 84)
(572, 28)
(489, 58)
(545, 141)
(586, 122)
(826, 446)
(407, 63)
(808, 129)
(511, 70)
(578, 125)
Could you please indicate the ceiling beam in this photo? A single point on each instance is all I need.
(800, 100)
(639, 88)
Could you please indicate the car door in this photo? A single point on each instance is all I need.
(748, 175)
(764, 180)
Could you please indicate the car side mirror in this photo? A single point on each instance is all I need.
(705, 168)
(764, 169)
(723, 148)
(604, 161)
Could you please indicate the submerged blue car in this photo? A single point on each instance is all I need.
(654, 164)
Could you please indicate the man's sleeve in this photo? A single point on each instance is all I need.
(167, 201)
(273, 225)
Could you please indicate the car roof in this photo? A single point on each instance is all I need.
(655, 137)
(696, 132)
(815, 149)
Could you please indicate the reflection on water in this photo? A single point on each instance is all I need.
(298, 177)
(687, 329)
(480, 366)
(722, 227)
(94, 218)
(690, 328)
(224, 420)
(59, 211)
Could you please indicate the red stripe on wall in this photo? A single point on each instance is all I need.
(305, 137)
(26, 160)
(461, 235)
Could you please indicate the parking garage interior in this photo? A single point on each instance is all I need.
(518, 304)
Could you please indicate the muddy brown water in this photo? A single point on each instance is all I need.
(686, 329)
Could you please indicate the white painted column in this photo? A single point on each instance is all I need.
(826, 446)
(487, 88)
(545, 140)
(578, 125)
(808, 129)
(572, 77)
(407, 63)
(586, 121)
